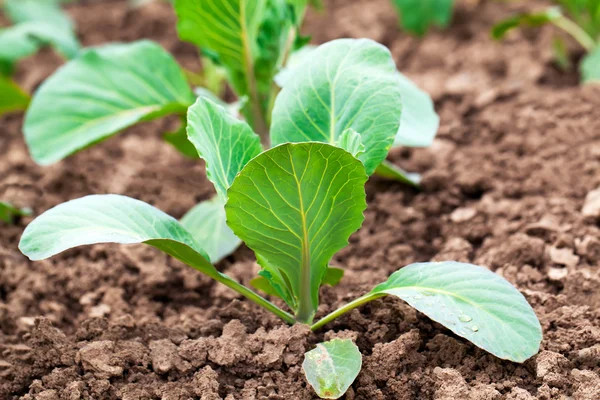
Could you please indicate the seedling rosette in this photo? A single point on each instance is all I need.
(296, 205)
(109, 88)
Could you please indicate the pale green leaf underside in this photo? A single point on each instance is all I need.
(8, 212)
(590, 67)
(419, 122)
(13, 98)
(347, 83)
(472, 302)
(391, 171)
(100, 93)
(24, 39)
(207, 224)
(416, 16)
(331, 367)
(110, 219)
(296, 205)
(223, 141)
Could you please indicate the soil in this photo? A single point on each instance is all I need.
(505, 185)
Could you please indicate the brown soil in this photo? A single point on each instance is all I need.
(504, 186)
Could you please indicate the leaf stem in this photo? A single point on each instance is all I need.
(259, 122)
(250, 295)
(576, 32)
(343, 310)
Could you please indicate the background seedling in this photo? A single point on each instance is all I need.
(8, 212)
(581, 22)
(37, 23)
(296, 204)
(417, 16)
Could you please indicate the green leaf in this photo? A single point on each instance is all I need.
(351, 142)
(296, 205)
(419, 122)
(472, 302)
(228, 28)
(391, 171)
(590, 67)
(347, 83)
(529, 19)
(100, 93)
(333, 276)
(223, 141)
(13, 98)
(179, 140)
(207, 224)
(20, 41)
(331, 367)
(47, 11)
(417, 16)
(110, 219)
(8, 212)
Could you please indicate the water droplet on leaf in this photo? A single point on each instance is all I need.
(465, 318)
(474, 328)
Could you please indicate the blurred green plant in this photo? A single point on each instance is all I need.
(578, 18)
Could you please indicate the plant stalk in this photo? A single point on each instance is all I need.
(343, 310)
(250, 295)
(576, 32)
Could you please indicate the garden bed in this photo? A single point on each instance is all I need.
(503, 186)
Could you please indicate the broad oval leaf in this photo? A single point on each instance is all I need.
(417, 16)
(207, 224)
(331, 367)
(110, 219)
(223, 141)
(48, 11)
(100, 93)
(347, 83)
(296, 205)
(590, 67)
(472, 302)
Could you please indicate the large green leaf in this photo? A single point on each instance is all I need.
(347, 83)
(296, 205)
(417, 16)
(13, 98)
(22, 40)
(110, 219)
(207, 224)
(100, 93)
(223, 141)
(419, 122)
(331, 367)
(590, 67)
(8, 212)
(472, 302)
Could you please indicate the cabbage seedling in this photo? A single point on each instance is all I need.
(37, 23)
(296, 204)
(417, 16)
(581, 22)
(107, 89)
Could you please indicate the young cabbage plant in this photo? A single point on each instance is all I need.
(296, 205)
(108, 89)
(37, 23)
(581, 22)
(417, 16)
(8, 212)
